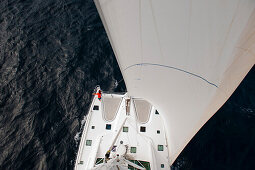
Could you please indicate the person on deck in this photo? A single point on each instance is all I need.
(107, 155)
(99, 94)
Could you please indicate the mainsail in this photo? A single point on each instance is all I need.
(186, 57)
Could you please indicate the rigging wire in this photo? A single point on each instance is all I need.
(117, 82)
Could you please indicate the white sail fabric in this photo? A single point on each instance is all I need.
(186, 57)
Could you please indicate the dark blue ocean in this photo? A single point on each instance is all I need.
(52, 55)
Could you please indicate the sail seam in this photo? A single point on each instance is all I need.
(156, 30)
(171, 67)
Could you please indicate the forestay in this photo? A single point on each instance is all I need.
(186, 57)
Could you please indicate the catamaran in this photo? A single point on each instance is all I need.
(180, 60)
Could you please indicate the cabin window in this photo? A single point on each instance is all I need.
(162, 165)
(125, 129)
(160, 147)
(156, 112)
(88, 142)
(108, 127)
(92, 127)
(142, 129)
(158, 131)
(133, 150)
(96, 107)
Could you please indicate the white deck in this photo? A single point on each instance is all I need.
(146, 143)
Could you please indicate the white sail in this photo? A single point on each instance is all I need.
(186, 57)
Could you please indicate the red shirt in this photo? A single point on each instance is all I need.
(99, 95)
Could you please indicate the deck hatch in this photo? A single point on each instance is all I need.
(160, 148)
(133, 150)
(108, 127)
(125, 129)
(99, 161)
(96, 107)
(88, 142)
(142, 129)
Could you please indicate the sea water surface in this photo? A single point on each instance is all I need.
(52, 55)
